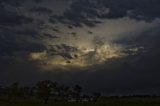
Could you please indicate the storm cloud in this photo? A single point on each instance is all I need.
(104, 45)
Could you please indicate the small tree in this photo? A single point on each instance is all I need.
(77, 91)
(1, 91)
(96, 96)
(67, 92)
(43, 90)
(25, 92)
(61, 92)
(12, 91)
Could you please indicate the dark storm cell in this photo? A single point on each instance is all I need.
(41, 10)
(76, 56)
(12, 18)
(68, 61)
(38, 1)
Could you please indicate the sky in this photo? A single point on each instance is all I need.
(107, 46)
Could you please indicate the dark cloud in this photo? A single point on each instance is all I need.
(50, 36)
(14, 3)
(41, 10)
(86, 11)
(8, 18)
(63, 50)
(38, 1)
(15, 40)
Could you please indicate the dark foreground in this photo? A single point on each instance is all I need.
(128, 101)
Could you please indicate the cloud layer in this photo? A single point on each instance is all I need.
(97, 42)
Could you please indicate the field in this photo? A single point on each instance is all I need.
(130, 101)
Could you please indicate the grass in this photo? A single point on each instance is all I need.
(102, 102)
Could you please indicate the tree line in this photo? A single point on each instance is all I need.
(47, 90)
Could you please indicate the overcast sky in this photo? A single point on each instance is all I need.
(108, 46)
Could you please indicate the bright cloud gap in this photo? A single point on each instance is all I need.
(81, 57)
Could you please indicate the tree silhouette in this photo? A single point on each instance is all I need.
(12, 91)
(1, 91)
(55, 90)
(77, 92)
(24, 92)
(61, 92)
(96, 96)
(67, 92)
(44, 90)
